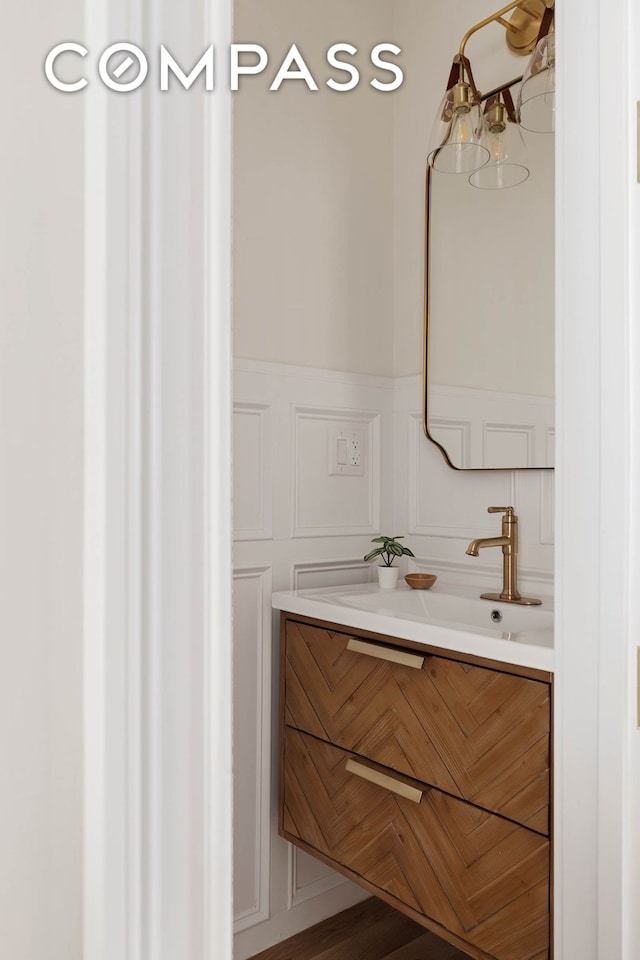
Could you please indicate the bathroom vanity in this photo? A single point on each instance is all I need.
(415, 756)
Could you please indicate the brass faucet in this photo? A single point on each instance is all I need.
(509, 543)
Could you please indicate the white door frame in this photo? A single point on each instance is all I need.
(157, 560)
(596, 502)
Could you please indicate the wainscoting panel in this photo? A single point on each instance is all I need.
(253, 476)
(252, 715)
(334, 506)
(330, 573)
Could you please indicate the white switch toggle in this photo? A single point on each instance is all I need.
(347, 452)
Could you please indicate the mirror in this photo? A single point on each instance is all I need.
(489, 318)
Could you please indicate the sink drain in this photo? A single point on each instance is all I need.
(496, 616)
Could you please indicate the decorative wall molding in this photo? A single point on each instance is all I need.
(329, 573)
(252, 798)
(333, 501)
(253, 471)
(484, 574)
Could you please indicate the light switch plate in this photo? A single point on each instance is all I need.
(347, 452)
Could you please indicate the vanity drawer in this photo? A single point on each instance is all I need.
(482, 879)
(474, 732)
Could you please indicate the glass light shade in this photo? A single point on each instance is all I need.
(537, 99)
(455, 139)
(508, 164)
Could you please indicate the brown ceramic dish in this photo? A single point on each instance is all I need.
(420, 581)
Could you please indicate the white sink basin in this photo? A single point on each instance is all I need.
(453, 610)
(450, 616)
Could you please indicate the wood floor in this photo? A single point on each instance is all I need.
(369, 931)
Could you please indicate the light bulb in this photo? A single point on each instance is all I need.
(496, 144)
(461, 132)
(496, 121)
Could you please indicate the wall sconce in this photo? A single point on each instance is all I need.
(488, 146)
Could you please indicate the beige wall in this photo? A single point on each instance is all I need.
(41, 244)
(313, 195)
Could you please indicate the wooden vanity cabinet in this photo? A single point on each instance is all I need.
(424, 776)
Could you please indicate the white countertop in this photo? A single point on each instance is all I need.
(450, 616)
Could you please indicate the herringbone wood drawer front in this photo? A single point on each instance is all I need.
(481, 877)
(474, 732)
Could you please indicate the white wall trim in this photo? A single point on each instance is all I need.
(130, 835)
(593, 722)
(617, 898)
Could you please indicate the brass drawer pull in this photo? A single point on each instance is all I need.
(382, 780)
(385, 653)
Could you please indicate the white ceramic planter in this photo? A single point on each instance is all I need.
(388, 577)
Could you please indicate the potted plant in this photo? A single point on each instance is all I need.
(388, 550)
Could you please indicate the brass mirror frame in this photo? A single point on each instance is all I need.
(427, 318)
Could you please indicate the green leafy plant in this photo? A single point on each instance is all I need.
(389, 549)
